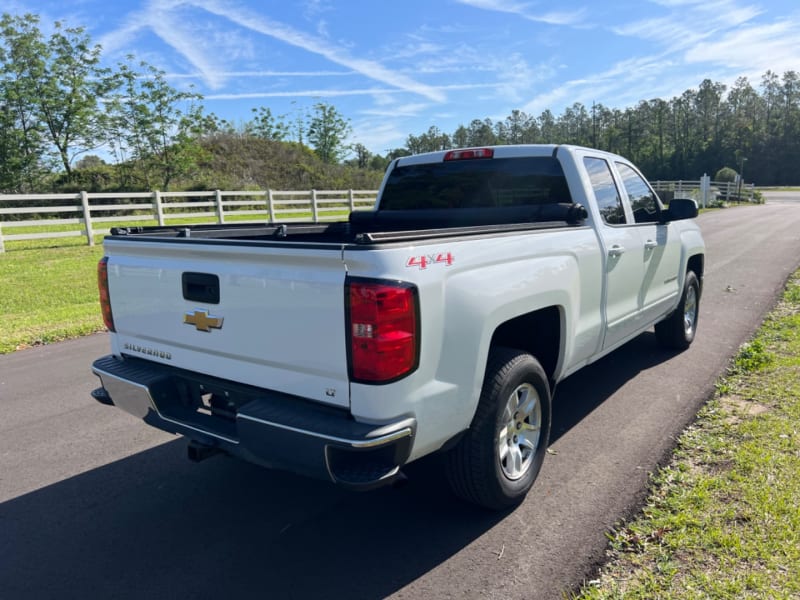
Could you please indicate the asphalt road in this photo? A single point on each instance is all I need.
(95, 504)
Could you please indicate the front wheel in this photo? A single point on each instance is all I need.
(677, 331)
(496, 462)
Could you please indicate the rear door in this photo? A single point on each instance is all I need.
(622, 248)
(271, 316)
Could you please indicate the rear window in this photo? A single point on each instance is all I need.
(493, 182)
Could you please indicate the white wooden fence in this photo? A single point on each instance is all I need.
(89, 214)
(706, 191)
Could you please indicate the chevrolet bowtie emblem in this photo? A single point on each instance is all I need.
(202, 320)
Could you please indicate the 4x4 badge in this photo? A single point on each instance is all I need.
(202, 320)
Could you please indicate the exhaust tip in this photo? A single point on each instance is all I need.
(198, 452)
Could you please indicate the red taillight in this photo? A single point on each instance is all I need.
(105, 297)
(469, 153)
(382, 330)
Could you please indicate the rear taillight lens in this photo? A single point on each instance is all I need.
(105, 297)
(383, 330)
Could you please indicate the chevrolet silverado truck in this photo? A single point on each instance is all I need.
(440, 321)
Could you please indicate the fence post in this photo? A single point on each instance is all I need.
(705, 187)
(87, 217)
(158, 208)
(270, 206)
(220, 212)
(2, 246)
(314, 216)
(352, 199)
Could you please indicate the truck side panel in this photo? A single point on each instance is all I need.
(477, 286)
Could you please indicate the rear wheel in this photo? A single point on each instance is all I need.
(498, 459)
(677, 331)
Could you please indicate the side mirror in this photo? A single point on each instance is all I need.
(679, 209)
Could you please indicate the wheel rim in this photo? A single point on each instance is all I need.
(690, 311)
(520, 429)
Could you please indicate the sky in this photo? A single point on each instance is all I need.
(395, 68)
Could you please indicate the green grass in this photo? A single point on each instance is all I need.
(723, 518)
(48, 294)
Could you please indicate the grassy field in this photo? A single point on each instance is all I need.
(48, 294)
(723, 518)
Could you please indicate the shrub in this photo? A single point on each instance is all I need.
(726, 175)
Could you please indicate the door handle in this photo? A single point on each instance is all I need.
(650, 244)
(616, 250)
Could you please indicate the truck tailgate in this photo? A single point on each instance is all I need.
(270, 316)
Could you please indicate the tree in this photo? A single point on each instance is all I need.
(21, 144)
(54, 85)
(518, 128)
(430, 141)
(155, 127)
(327, 132)
(363, 155)
(481, 133)
(267, 127)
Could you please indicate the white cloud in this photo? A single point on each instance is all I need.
(755, 49)
(316, 45)
(262, 74)
(398, 110)
(320, 93)
(184, 39)
(161, 17)
(525, 10)
(379, 135)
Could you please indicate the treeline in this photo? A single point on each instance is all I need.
(701, 131)
(60, 109)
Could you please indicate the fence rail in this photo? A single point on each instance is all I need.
(87, 214)
(87, 210)
(706, 191)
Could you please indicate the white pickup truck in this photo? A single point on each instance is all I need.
(440, 321)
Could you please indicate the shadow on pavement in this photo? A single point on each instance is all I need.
(578, 395)
(155, 526)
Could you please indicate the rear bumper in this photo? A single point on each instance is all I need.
(262, 426)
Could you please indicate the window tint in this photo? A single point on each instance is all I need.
(605, 191)
(492, 182)
(644, 203)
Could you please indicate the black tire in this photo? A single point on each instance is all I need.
(677, 331)
(476, 468)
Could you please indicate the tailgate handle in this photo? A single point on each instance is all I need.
(201, 287)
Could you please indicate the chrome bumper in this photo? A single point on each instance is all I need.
(262, 426)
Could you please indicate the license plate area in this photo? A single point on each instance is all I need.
(209, 406)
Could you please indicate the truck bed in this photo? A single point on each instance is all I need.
(370, 227)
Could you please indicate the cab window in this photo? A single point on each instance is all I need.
(605, 190)
(644, 202)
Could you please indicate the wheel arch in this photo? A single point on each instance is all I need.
(696, 263)
(540, 333)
